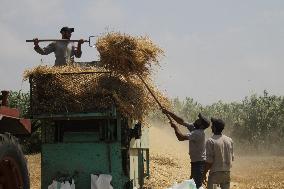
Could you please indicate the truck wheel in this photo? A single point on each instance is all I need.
(13, 167)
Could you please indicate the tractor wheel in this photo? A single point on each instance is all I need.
(13, 167)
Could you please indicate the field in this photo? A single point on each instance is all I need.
(170, 163)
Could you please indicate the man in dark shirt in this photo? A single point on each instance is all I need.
(196, 138)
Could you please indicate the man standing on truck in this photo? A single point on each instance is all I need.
(196, 138)
(64, 50)
(219, 156)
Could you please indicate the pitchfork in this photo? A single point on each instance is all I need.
(69, 40)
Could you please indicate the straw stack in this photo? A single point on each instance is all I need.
(55, 91)
(74, 88)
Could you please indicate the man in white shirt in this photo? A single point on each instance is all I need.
(196, 138)
(219, 156)
(64, 50)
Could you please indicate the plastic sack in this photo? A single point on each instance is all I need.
(61, 185)
(101, 182)
(94, 179)
(54, 185)
(187, 184)
(215, 186)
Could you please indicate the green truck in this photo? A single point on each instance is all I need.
(78, 144)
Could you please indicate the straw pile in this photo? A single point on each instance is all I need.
(74, 89)
(127, 55)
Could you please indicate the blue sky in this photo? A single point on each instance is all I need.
(214, 49)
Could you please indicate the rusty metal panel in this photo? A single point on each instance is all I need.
(10, 121)
(12, 112)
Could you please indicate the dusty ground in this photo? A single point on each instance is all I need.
(170, 163)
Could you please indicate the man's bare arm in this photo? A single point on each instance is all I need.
(178, 119)
(180, 136)
(45, 51)
(78, 51)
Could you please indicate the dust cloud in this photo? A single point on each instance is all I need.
(170, 162)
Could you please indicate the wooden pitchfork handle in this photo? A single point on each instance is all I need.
(45, 40)
(69, 40)
(150, 91)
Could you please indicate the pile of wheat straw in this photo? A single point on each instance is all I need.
(73, 88)
(127, 55)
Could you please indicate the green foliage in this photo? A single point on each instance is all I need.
(257, 122)
(262, 120)
(20, 101)
(190, 109)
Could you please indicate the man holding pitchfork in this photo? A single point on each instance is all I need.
(64, 50)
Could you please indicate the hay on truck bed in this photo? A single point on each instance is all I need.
(56, 91)
(75, 88)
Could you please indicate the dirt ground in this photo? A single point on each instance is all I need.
(170, 163)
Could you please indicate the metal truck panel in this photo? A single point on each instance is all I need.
(82, 159)
(11, 123)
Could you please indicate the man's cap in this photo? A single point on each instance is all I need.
(65, 28)
(204, 120)
(219, 123)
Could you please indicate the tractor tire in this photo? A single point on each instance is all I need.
(13, 166)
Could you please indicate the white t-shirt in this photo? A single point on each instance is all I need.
(219, 152)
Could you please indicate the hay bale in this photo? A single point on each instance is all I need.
(127, 55)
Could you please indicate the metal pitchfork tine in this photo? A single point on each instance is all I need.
(71, 40)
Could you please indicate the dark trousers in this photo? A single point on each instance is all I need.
(197, 171)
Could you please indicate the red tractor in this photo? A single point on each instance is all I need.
(13, 165)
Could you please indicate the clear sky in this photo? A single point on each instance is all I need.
(214, 49)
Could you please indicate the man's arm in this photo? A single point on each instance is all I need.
(78, 51)
(45, 51)
(180, 136)
(178, 119)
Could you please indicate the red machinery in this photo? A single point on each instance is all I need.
(13, 167)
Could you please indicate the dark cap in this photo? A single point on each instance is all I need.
(218, 123)
(204, 120)
(67, 29)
